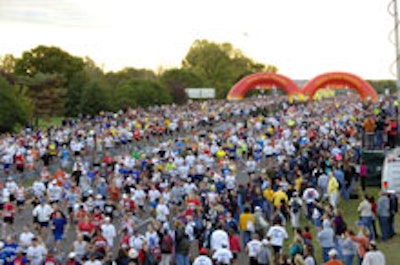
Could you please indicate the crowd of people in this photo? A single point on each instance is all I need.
(210, 182)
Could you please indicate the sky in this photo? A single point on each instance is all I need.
(303, 38)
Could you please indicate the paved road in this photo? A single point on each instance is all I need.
(26, 216)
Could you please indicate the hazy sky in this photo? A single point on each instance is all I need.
(302, 38)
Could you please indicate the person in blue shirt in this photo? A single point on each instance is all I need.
(9, 251)
(58, 226)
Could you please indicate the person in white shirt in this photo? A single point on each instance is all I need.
(223, 255)
(38, 188)
(277, 235)
(218, 238)
(93, 260)
(43, 213)
(374, 256)
(252, 248)
(309, 196)
(136, 241)
(25, 238)
(108, 231)
(54, 192)
(203, 258)
(36, 252)
(162, 211)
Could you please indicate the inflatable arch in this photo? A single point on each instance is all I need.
(250, 82)
(340, 80)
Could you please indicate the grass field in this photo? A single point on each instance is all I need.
(349, 208)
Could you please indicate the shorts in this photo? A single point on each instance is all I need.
(55, 201)
(20, 203)
(70, 209)
(12, 197)
(58, 237)
(44, 224)
(277, 249)
(8, 220)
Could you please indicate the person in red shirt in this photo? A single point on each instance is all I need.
(128, 203)
(80, 214)
(50, 259)
(234, 244)
(87, 228)
(8, 215)
(97, 217)
(333, 258)
(99, 242)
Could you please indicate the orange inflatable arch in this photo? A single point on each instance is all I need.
(339, 80)
(266, 80)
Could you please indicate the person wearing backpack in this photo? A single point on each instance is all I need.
(166, 246)
(295, 205)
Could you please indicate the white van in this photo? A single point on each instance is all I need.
(391, 171)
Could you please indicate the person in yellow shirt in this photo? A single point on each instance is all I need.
(333, 190)
(246, 224)
(278, 196)
(298, 182)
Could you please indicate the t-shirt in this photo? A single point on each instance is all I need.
(59, 224)
(277, 235)
(219, 238)
(202, 260)
(223, 256)
(253, 246)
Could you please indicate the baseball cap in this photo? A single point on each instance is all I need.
(332, 252)
(265, 242)
(203, 251)
(71, 255)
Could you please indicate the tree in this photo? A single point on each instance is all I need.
(15, 108)
(221, 65)
(115, 78)
(139, 92)
(7, 63)
(381, 85)
(96, 97)
(176, 80)
(46, 93)
(49, 62)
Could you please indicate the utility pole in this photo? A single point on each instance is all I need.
(397, 44)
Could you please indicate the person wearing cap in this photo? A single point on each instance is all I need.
(43, 213)
(374, 256)
(223, 256)
(333, 260)
(203, 258)
(72, 259)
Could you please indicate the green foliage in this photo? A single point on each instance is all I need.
(139, 92)
(95, 97)
(15, 107)
(49, 60)
(7, 63)
(176, 80)
(381, 85)
(46, 93)
(115, 78)
(221, 65)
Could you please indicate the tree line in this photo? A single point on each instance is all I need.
(47, 81)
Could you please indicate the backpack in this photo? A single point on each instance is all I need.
(156, 254)
(166, 244)
(295, 206)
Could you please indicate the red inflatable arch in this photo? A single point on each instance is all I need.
(340, 80)
(250, 82)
